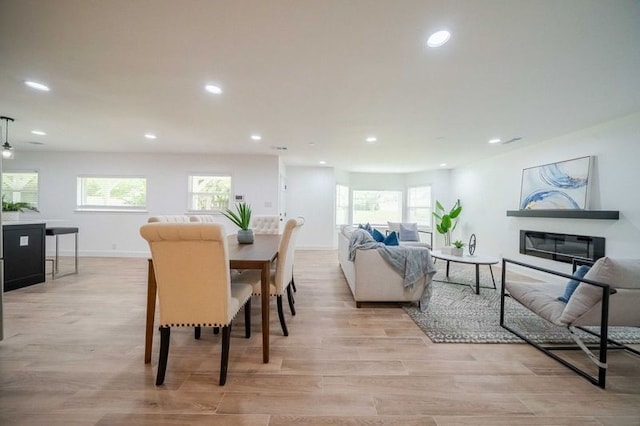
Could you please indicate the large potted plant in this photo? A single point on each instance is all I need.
(242, 218)
(11, 211)
(447, 222)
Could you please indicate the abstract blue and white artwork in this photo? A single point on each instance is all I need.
(561, 185)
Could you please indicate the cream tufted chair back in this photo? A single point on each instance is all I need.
(171, 218)
(204, 218)
(266, 225)
(191, 265)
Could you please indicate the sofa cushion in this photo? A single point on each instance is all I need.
(572, 285)
(409, 232)
(618, 273)
(391, 239)
(377, 235)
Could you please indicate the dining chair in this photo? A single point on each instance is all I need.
(265, 225)
(171, 218)
(191, 265)
(204, 218)
(282, 276)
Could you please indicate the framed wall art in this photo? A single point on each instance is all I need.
(556, 186)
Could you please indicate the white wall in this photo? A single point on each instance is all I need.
(311, 194)
(489, 188)
(116, 234)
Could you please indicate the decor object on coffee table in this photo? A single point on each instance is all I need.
(448, 221)
(472, 244)
(458, 248)
(242, 218)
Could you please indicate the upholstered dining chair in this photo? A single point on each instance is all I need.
(282, 276)
(171, 218)
(204, 218)
(265, 225)
(191, 265)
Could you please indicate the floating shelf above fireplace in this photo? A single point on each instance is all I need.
(567, 214)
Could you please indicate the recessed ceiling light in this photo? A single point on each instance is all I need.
(495, 140)
(312, 144)
(150, 136)
(443, 164)
(438, 38)
(36, 85)
(38, 132)
(371, 139)
(212, 88)
(323, 162)
(256, 137)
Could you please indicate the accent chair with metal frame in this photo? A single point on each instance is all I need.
(191, 265)
(607, 296)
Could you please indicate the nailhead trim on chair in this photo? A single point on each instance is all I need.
(207, 325)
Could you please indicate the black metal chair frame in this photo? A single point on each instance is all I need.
(604, 344)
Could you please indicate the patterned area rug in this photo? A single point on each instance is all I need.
(457, 315)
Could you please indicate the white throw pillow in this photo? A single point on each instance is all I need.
(409, 232)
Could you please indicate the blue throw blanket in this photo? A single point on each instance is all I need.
(412, 263)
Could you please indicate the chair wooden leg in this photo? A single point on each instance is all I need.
(196, 332)
(216, 330)
(165, 333)
(224, 360)
(291, 301)
(247, 319)
(281, 315)
(293, 285)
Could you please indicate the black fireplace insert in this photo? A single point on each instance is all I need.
(561, 247)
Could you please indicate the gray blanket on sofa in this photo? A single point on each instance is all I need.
(412, 263)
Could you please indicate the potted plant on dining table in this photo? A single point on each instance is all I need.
(241, 218)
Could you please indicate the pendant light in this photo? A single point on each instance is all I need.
(7, 149)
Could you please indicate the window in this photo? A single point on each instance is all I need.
(377, 207)
(419, 205)
(209, 193)
(342, 205)
(112, 193)
(20, 187)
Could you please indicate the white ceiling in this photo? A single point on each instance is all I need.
(328, 72)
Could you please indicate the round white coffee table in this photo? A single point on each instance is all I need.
(469, 260)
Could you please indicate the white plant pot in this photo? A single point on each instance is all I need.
(457, 251)
(10, 216)
(447, 249)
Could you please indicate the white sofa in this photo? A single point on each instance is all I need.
(371, 278)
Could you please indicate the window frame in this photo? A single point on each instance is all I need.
(339, 205)
(399, 192)
(190, 192)
(409, 206)
(35, 204)
(80, 183)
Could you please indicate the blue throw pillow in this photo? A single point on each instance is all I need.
(366, 227)
(572, 285)
(391, 239)
(377, 235)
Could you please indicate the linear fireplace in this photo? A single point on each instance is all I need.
(561, 247)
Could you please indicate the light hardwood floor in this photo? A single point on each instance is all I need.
(73, 355)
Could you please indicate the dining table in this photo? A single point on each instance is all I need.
(258, 255)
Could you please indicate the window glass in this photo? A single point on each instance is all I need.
(209, 193)
(419, 205)
(112, 193)
(20, 187)
(342, 205)
(377, 207)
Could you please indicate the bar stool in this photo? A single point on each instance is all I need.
(56, 232)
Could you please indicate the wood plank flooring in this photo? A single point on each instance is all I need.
(74, 346)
